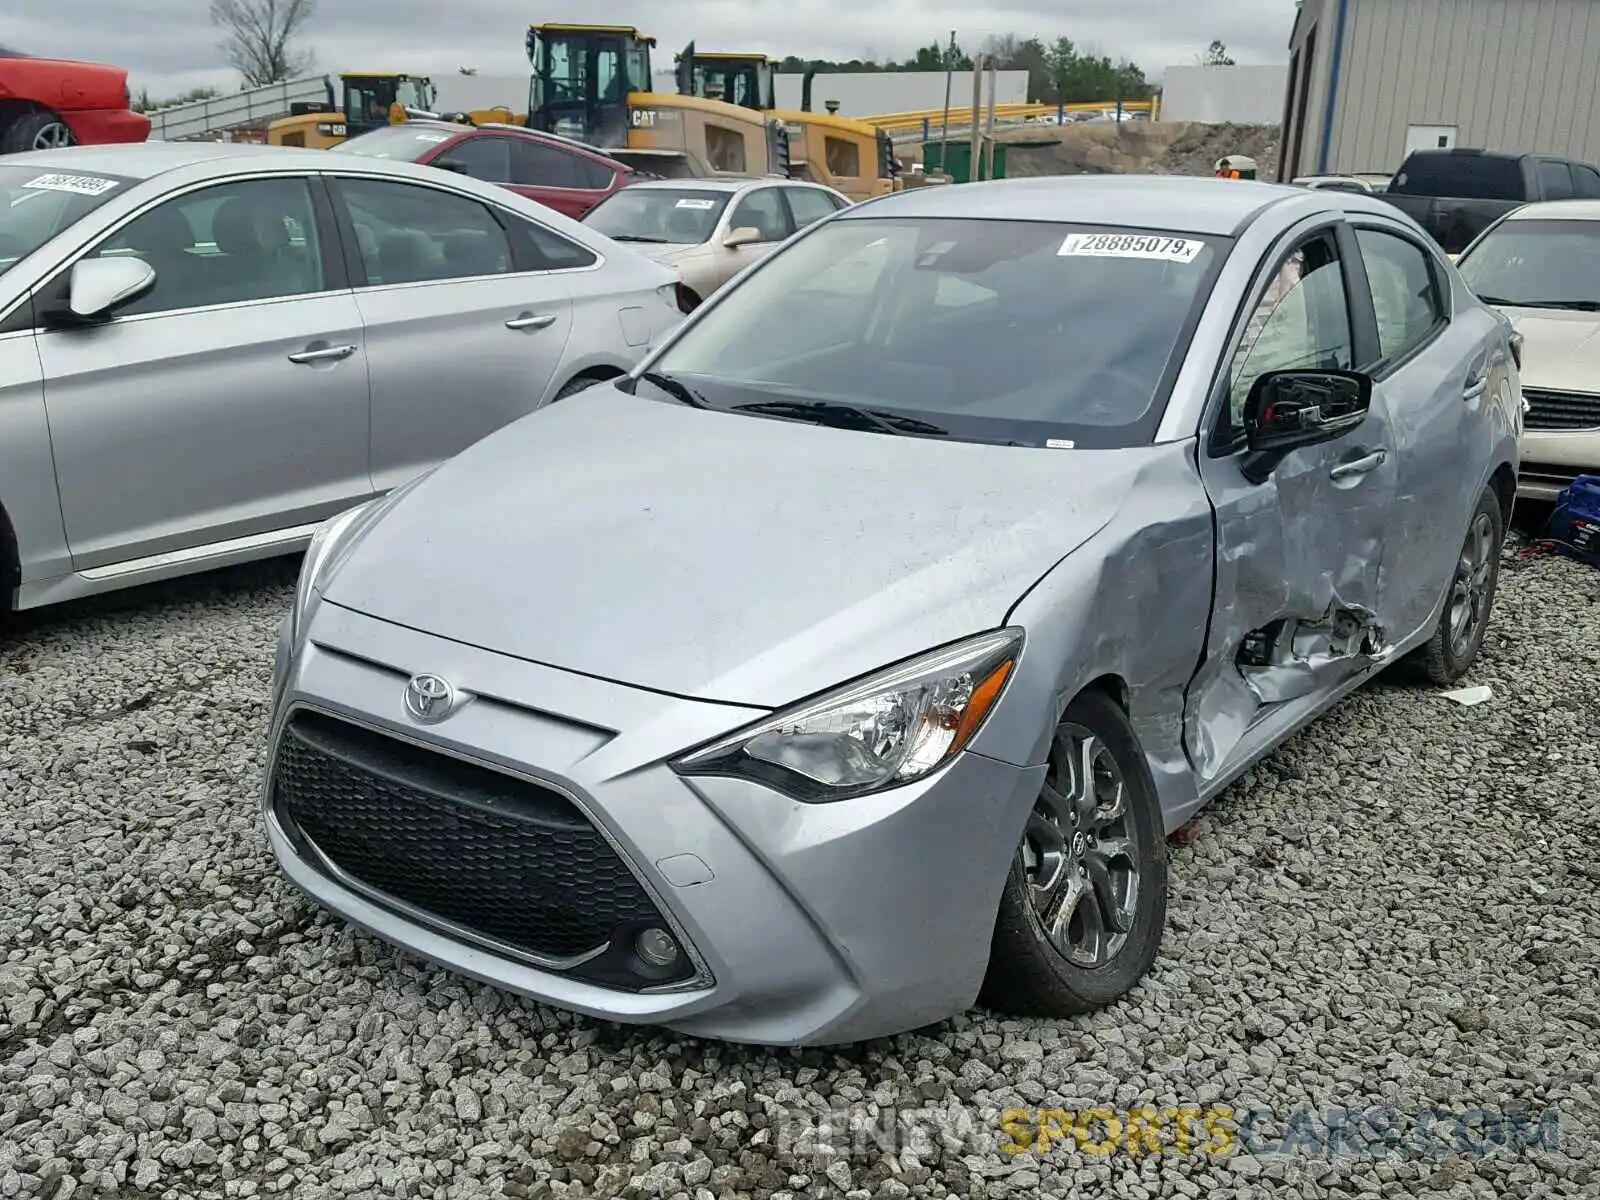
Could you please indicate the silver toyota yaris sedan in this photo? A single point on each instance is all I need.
(847, 662)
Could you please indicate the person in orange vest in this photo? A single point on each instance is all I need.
(1236, 166)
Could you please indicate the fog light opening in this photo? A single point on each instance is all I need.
(656, 947)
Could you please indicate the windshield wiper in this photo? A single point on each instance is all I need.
(637, 237)
(842, 416)
(1575, 305)
(675, 388)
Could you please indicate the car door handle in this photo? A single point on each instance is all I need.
(532, 321)
(325, 354)
(1359, 466)
(1476, 388)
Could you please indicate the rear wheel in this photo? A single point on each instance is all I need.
(1085, 901)
(1454, 646)
(35, 131)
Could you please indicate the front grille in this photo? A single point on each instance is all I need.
(1560, 410)
(495, 856)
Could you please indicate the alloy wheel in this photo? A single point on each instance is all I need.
(54, 136)
(1469, 591)
(1080, 852)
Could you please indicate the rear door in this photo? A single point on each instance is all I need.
(1438, 373)
(808, 205)
(465, 311)
(1299, 555)
(230, 401)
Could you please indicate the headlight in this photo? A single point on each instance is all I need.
(889, 729)
(332, 536)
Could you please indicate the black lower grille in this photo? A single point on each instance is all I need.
(496, 856)
(1560, 411)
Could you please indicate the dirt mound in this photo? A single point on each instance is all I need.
(1138, 148)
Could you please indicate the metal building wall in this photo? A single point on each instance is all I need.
(1519, 75)
(1242, 95)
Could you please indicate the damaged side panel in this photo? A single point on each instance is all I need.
(1296, 610)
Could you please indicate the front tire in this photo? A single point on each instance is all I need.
(1085, 900)
(1454, 646)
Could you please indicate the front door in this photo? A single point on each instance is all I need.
(229, 401)
(764, 211)
(466, 317)
(1299, 556)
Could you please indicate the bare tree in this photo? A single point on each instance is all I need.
(1216, 55)
(259, 35)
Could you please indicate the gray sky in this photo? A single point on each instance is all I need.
(170, 46)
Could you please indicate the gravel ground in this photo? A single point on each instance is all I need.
(1396, 913)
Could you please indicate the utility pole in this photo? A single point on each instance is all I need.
(944, 131)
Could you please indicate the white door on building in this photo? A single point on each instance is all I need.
(1430, 137)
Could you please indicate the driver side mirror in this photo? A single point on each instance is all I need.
(97, 287)
(1290, 409)
(745, 235)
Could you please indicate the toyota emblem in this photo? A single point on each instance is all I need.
(429, 698)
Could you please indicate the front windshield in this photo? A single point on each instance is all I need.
(678, 216)
(413, 93)
(35, 205)
(1537, 264)
(403, 143)
(1028, 332)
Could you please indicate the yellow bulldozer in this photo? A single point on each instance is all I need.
(365, 101)
(593, 83)
(850, 156)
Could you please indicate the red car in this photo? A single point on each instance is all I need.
(50, 102)
(570, 177)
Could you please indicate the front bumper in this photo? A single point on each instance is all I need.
(1551, 460)
(804, 924)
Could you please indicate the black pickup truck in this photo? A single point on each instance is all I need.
(1456, 194)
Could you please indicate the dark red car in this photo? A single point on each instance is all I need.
(49, 102)
(568, 176)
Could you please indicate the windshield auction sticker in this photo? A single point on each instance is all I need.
(1130, 245)
(82, 185)
(697, 204)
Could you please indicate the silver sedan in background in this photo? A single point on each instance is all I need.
(711, 229)
(849, 660)
(205, 350)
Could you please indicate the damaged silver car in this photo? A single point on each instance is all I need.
(847, 663)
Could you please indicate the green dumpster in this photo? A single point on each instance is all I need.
(954, 158)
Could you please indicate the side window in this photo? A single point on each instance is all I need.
(1405, 293)
(1301, 321)
(809, 205)
(1555, 179)
(592, 174)
(534, 164)
(763, 210)
(1588, 181)
(409, 234)
(538, 249)
(843, 158)
(484, 158)
(255, 240)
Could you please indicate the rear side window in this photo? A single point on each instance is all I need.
(1405, 294)
(1461, 176)
(1588, 181)
(411, 234)
(1555, 178)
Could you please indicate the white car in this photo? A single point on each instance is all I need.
(1540, 265)
(711, 229)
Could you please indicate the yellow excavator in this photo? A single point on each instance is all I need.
(849, 156)
(369, 100)
(593, 83)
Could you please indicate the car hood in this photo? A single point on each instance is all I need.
(1561, 350)
(728, 558)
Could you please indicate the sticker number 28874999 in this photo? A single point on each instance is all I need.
(1130, 245)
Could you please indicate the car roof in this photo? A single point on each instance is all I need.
(721, 185)
(1188, 204)
(145, 160)
(1551, 210)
